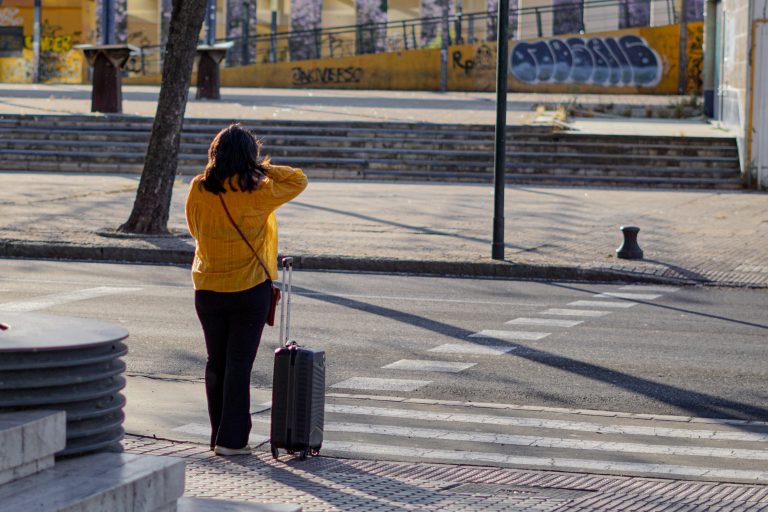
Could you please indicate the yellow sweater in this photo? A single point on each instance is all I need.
(223, 262)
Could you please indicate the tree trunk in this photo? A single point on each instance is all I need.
(153, 198)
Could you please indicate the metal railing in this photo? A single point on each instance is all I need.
(464, 28)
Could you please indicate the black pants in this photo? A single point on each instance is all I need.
(232, 325)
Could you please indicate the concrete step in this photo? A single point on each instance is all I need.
(28, 442)
(187, 504)
(65, 141)
(106, 482)
(580, 180)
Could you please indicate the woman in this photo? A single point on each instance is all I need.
(231, 215)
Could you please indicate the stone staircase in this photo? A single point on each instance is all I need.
(32, 480)
(384, 151)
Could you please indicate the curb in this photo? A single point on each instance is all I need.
(500, 270)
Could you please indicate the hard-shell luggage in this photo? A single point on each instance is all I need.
(298, 387)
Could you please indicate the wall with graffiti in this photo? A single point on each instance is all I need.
(637, 60)
(60, 31)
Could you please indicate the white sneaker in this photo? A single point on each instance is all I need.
(223, 450)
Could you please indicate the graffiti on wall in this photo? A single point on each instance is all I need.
(626, 61)
(483, 59)
(326, 75)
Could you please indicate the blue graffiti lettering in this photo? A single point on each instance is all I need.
(626, 61)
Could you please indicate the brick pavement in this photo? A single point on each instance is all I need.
(329, 484)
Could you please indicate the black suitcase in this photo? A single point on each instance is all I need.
(298, 387)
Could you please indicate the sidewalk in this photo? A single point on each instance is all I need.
(361, 480)
(551, 233)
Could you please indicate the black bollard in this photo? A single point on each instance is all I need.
(630, 250)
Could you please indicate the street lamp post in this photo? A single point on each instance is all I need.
(499, 159)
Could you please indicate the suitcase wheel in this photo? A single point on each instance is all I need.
(275, 452)
(315, 452)
(303, 454)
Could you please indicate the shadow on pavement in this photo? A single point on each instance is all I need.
(697, 403)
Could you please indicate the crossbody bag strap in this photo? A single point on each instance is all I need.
(232, 221)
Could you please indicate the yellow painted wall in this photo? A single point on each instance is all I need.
(62, 28)
(471, 68)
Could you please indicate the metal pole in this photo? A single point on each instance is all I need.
(210, 24)
(108, 22)
(36, 41)
(499, 157)
(272, 36)
(246, 48)
(682, 76)
(444, 50)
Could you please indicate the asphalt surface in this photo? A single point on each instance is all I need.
(694, 351)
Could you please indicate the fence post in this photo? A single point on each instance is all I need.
(538, 23)
(457, 30)
(683, 57)
(272, 37)
(471, 28)
(246, 50)
(405, 35)
(318, 44)
(444, 50)
(413, 37)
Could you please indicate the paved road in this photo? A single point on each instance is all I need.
(480, 372)
(699, 351)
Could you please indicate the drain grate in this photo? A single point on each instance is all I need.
(555, 493)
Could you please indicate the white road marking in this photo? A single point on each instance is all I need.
(549, 322)
(578, 426)
(414, 365)
(575, 312)
(410, 453)
(199, 429)
(57, 299)
(536, 441)
(649, 288)
(413, 299)
(629, 296)
(510, 335)
(472, 348)
(372, 383)
(601, 304)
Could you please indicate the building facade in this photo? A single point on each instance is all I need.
(736, 78)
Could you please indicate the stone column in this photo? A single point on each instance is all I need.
(306, 17)
(492, 8)
(371, 39)
(241, 28)
(568, 17)
(120, 34)
(634, 13)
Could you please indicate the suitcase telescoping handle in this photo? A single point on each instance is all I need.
(285, 304)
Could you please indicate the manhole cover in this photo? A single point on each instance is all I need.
(555, 493)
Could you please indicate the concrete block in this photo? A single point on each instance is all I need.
(27, 437)
(188, 504)
(104, 482)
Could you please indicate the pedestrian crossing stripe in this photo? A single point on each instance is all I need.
(575, 312)
(563, 464)
(472, 349)
(428, 366)
(58, 299)
(532, 422)
(601, 304)
(510, 335)
(548, 322)
(649, 288)
(628, 296)
(371, 383)
(539, 441)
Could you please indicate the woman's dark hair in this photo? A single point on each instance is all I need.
(234, 158)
